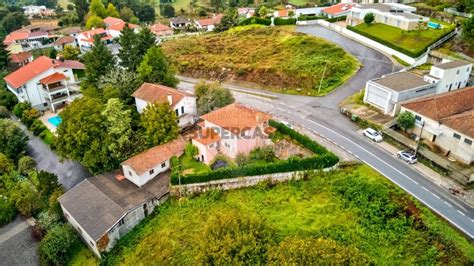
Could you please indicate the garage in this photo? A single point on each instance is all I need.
(376, 96)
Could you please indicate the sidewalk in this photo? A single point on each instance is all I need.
(440, 180)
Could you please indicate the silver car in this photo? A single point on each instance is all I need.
(372, 134)
(407, 156)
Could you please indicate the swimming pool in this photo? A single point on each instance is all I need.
(55, 120)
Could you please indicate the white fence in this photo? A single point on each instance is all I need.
(457, 13)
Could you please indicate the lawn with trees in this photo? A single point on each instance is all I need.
(349, 216)
(277, 58)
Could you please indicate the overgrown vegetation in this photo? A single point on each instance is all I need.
(352, 215)
(277, 58)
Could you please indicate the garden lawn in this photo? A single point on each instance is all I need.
(414, 41)
(191, 166)
(276, 58)
(355, 207)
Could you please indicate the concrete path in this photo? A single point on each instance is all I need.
(17, 246)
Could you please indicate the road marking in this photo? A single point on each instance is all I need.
(425, 189)
(447, 203)
(461, 213)
(435, 195)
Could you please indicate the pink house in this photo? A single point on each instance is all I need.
(231, 130)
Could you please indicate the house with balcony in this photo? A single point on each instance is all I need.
(104, 208)
(447, 121)
(183, 103)
(231, 130)
(85, 39)
(115, 26)
(45, 83)
(387, 92)
(31, 37)
(392, 14)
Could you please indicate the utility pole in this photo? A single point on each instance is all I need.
(322, 78)
(419, 138)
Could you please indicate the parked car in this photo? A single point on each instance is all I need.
(407, 156)
(372, 134)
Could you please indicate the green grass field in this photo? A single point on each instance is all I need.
(277, 58)
(414, 41)
(355, 209)
(191, 166)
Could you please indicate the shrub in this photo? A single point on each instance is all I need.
(369, 18)
(37, 127)
(55, 248)
(300, 138)
(265, 153)
(256, 20)
(29, 116)
(190, 150)
(20, 108)
(303, 17)
(26, 164)
(7, 211)
(406, 120)
(283, 21)
(336, 19)
(4, 112)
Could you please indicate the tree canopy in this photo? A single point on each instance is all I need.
(369, 18)
(14, 21)
(98, 61)
(159, 123)
(211, 96)
(134, 46)
(154, 68)
(122, 82)
(13, 140)
(406, 120)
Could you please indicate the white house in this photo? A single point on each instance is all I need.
(387, 92)
(450, 76)
(32, 10)
(447, 120)
(309, 11)
(115, 26)
(337, 10)
(86, 39)
(45, 83)
(393, 14)
(179, 22)
(208, 24)
(182, 102)
(31, 37)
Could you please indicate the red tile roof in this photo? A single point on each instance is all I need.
(120, 26)
(53, 78)
(210, 21)
(236, 116)
(207, 136)
(454, 109)
(38, 66)
(152, 93)
(20, 57)
(89, 35)
(150, 158)
(337, 9)
(111, 21)
(64, 40)
(159, 27)
(16, 36)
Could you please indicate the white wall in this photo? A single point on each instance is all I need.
(451, 79)
(142, 179)
(185, 118)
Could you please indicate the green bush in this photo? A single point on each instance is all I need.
(20, 108)
(55, 248)
(336, 19)
(394, 46)
(37, 127)
(256, 20)
(290, 165)
(7, 211)
(300, 138)
(303, 17)
(4, 112)
(283, 21)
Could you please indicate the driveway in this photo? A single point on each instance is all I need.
(17, 247)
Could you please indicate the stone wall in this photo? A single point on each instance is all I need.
(242, 182)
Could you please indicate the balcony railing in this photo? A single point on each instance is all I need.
(58, 99)
(54, 89)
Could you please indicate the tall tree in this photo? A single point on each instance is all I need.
(13, 140)
(4, 55)
(96, 7)
(406, 120)
(94, 21)
(229, 20)
(155, 68)
(123, 81)
(126, 14)
(468, 32)
(118, 127)
(81, 7)
(98, 61)
(144, 12)
(112, 11)
(71, 52)
(14, 20)
(168, 10)
(159, 123)
(212, 96)
(127, 54)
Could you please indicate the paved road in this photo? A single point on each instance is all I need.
(322, 116)
(17, 246)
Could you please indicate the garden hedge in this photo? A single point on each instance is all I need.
(290, 165)
(304, 17)
(394, 46)
(283, 21)
(255, 20)
(336, 19)
(322, 159)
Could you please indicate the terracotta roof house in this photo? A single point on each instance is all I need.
(21, 59)
(28, 82)
(182, 102)
(387, 92)
(109, 21)
(448, 122)
(284, 13)
(60, 43)
(161, 30)
(337, 10)
(30, 37)
(246, 12)
(86, 39)
(231, 130)
(115, 26)
(208, 24)
(179, 22)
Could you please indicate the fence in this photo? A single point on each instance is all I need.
(457, 13)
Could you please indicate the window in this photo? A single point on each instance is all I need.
(457, 72)
(177, 111)
(211, 146)
(130, 173)
(152, 171)
(456, 136)
(418, 119)
(468, 141)
(163, 164)
(468, 69)
(182, 109)
(121, 222)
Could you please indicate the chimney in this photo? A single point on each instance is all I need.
(170, 99)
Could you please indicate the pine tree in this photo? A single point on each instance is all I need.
(112, 11)
(97, 8)
(98, 61)
(127, 53)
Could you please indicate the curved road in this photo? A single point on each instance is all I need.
(322, 116)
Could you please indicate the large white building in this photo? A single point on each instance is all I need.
(393, 14)
(45, 83)
(387, 92)
(183, 103)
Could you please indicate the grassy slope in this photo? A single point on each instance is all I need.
(276, 57)
(411, 40)
(314, 208)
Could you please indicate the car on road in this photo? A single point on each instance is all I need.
(372, 134)
(407, 156)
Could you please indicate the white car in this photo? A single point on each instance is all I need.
(372, 134)
(407, 156)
